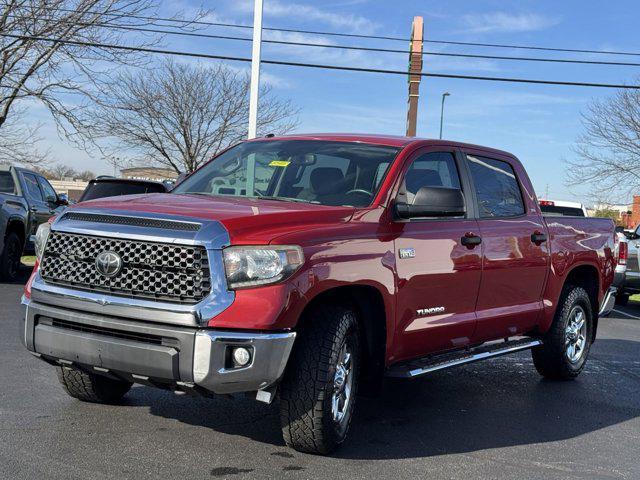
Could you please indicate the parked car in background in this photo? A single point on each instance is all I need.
(103, 186)
(621, 254)
(310, 267)
(562, 208)
(630, 283)
(27, 200)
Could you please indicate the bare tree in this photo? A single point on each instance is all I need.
(61, 171)
(179, 115)
(86, 175)
(609, 149)
(20, 143)
(49, 51)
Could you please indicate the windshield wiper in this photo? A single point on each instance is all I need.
(266, 197)
(286, 199)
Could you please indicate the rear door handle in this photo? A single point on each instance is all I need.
(538, 237)
(471, 240)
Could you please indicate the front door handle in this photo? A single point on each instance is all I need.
(538, 237)
(471, 240)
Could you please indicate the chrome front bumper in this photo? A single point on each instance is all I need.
(608, 302)
(163, 355)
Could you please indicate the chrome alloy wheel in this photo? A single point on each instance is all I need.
(342, 385)
(575, 334)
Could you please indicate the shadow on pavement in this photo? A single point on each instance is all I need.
(23, 275)
(478, 407)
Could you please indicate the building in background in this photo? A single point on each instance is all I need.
(628, 215)
(149, 173)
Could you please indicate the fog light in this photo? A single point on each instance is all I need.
(241, 356)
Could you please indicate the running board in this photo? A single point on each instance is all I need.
(415, 368)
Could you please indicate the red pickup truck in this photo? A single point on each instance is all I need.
(307, 268)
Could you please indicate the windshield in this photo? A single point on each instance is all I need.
(312, 171)
(115, 189)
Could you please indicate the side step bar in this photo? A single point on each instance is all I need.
(415, 368)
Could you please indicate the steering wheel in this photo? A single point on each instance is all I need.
(359, 190)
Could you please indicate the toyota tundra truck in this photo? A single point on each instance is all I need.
(307, 268)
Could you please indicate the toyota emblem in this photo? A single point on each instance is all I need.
(108, 263)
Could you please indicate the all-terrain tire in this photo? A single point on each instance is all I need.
(552, 358)
(93, 388)
(308, 387)
(10, 257)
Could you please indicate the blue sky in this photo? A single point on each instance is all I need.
(537, 123)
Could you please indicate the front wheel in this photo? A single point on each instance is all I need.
(565, 348)
(90, 387)
(318, 392)
(10, 257)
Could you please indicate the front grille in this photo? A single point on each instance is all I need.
(159, 271)
(134, 221)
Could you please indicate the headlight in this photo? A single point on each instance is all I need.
(42, 234)
(260, 265)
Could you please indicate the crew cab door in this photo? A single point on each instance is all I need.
(39, 209)
(515, 255)
(438, 276)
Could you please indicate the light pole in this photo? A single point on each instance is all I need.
(444, 95)
(255, 69)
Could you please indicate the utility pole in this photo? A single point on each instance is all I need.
(444, 95)
(255, 69)
(415, 68)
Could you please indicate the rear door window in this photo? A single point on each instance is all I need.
(497, 190)
(33, 190)
(6, 183)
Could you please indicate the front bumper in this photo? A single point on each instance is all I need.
(145, 352)
(608, 302)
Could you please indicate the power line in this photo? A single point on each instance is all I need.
(354, 47)
(355, 35)
(321, 66)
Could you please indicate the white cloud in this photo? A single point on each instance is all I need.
(501, 22)
(341, 21)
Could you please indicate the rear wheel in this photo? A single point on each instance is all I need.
(93, 388)
(318, 392)
(566, 345)
(10, 257)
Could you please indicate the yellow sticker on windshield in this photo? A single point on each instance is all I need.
(279, 163)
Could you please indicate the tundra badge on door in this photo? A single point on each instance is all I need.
(422, 312)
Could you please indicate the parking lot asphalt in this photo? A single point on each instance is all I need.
(490, 420)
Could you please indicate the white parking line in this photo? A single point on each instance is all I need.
(625, 313)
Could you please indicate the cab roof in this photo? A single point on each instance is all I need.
(378, 139)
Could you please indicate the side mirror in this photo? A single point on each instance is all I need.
(63, 199)
(433, 202)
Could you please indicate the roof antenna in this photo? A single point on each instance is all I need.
(270, 135)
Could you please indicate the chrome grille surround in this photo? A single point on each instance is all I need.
(178, 273)
(211, 235)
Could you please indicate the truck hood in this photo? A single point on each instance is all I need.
(247, 220)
